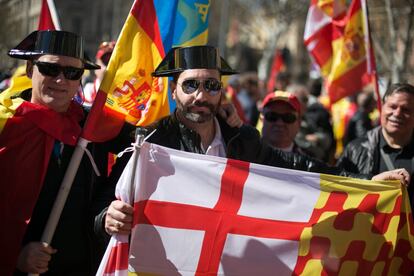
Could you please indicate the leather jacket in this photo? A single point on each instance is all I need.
(242, 143)
(362, 154)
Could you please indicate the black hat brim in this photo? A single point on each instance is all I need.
(54, 43)
(180, 59)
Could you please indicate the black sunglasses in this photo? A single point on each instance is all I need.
(211, 86)
(287, 118)
(54, 69)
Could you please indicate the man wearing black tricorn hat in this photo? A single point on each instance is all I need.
(195, 126)
(39, 131)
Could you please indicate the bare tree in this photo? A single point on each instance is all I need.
(392, 33)
(262, 23)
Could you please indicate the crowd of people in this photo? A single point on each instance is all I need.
(289, 128)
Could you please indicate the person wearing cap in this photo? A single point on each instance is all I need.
(90, 89)
(195, 127)
(281, 116)
(36, 145)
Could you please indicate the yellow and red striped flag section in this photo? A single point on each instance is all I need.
(128, 92)
(27, 135)
(241, 218)
(339, 45)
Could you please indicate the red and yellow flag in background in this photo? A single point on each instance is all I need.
(278, 65)
(338, 41)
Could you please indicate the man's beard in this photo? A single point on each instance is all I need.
(197, 117)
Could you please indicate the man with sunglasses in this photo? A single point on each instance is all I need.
(281, 113)
(195, 126)
(36, 145)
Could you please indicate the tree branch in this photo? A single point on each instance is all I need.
(408, 39)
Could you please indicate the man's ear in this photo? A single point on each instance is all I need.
(29, 69)
(173, 87)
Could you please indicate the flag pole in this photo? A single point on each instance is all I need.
(139, 139)
(371, 64)
(63, 193)
(67, 182)
(53, 14)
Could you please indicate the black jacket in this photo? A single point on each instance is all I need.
(362, 154)
(358, 126)
(242, 143)
(79, 250)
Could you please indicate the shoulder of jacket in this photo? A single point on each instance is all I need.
(249, 131)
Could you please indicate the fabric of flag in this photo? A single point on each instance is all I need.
(18, 83)
(128, 92)
(337, 41)
(203, 215)
(278, 65)
(48, 19)
(27, 135)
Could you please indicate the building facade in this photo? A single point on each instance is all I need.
(95, 20)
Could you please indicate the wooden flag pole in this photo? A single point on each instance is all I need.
(67, 182)
(63, 193)
(371, 64)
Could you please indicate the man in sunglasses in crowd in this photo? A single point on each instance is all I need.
(36, 144)
(195, 127)
(281, 117)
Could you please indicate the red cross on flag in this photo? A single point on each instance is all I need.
(202, 215)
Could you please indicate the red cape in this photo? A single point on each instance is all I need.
(26, 143)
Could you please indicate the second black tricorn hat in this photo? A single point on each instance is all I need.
(193, 57)
(52, 42)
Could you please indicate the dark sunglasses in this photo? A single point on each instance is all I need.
(211, 86)
(287, 118)
(54, 69)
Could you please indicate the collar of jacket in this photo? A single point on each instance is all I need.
(191, 140)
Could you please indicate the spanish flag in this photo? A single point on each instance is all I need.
(338, 40)
(128, 92)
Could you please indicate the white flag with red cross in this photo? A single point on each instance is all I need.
(203, 215)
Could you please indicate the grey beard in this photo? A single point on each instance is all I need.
(197, 117)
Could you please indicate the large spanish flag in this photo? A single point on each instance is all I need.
(128, 92)
(204, 215)
(339, 44)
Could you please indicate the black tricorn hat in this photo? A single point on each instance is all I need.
(193, 57)
(52, 42)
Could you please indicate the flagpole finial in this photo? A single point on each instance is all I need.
(140, 134)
